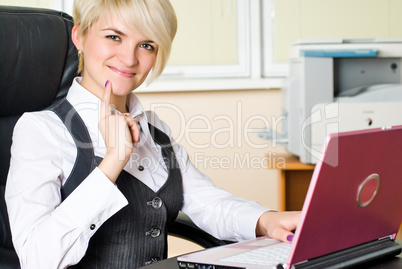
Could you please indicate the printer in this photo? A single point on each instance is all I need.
(336, 86)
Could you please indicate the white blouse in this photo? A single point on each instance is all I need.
(48, 233)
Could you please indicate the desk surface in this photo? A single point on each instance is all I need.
(392, 263)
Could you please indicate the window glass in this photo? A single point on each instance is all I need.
(212, 39)
(28, 3)
(207, 32)
(294, 20)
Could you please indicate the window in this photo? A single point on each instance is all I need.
(65, 5)
(213, 39)
(272, 67)
(29, 3)
(288, 21)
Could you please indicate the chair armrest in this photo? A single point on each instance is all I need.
(183, 227)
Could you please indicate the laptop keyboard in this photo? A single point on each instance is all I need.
(270, 255)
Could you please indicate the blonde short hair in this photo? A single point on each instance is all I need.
(155, 19)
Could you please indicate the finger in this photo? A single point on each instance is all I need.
(290, 226)
(281, 224)
(288, 237)
(133, 126)
(283, 234)
(134, 129)
(105, 111)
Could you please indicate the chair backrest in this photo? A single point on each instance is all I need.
(38, 63)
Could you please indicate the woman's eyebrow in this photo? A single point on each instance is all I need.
(120, 33)
(114, 30)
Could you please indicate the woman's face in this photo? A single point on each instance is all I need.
(113, 51)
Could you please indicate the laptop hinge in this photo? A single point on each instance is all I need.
(377, 249)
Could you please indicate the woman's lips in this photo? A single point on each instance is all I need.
(122, 72)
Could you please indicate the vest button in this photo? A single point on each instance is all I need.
(141, 168)
(156, 203)
(154, 232)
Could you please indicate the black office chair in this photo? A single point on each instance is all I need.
(37, 65)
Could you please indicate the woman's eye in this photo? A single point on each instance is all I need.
(113, 37)
(147, 47)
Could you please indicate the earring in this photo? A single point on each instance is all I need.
(80, 52)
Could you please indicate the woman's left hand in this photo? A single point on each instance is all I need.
(278, 225)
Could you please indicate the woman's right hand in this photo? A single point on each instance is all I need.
(118, 131)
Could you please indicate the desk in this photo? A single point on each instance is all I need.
(293, 182)
(392, 263)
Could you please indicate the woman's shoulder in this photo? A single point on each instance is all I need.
(40, 133)
(38, 124)
(44, 118)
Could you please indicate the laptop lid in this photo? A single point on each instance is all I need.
(354, 195)
(353, 198)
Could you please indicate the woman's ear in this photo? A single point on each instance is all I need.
(76, 37)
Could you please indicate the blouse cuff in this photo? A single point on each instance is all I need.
(247, 219)
(94, 201)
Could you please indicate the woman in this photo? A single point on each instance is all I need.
(95, 181)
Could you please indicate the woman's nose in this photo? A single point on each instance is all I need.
(129, 56)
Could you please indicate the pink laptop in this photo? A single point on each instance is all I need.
(351, 214)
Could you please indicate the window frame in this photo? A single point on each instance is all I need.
(270, 68)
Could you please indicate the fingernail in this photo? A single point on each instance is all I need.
(290, 237)
(107, 83)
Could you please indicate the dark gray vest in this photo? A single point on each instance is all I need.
(137, 234)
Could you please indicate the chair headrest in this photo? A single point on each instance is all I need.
(38, 59)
